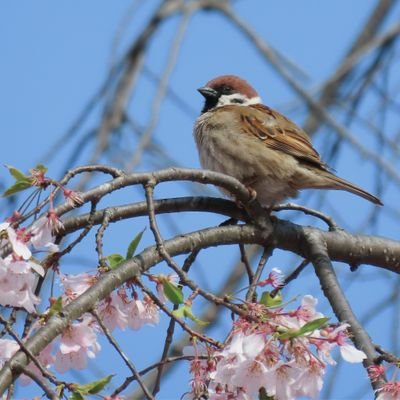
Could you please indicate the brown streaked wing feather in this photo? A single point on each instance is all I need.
(279, 133)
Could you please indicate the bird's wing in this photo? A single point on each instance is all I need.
(279, 133)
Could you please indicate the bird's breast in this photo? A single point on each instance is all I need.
(218, 146)
(225, 146)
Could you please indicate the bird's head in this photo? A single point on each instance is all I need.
(228, 89)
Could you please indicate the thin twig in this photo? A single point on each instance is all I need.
(183, 325)
(291, 277)
(361, 45)
(99, 237)
(133, 62)
(246, 263)
(84, 232)
(121, 30)
(120, 352)
(28, 353)
(10, 392)
(309, 211)
(267, 253)
(144, 371)
(171, 326)
(114, 172)
(11, 320)
(210, 313)
(386, 356)
(161, 91)
(149, 189)
(164, 355)
(337, 299)
(40, 382)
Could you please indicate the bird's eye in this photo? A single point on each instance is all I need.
(226, 89)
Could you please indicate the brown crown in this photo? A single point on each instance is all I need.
(237, 84)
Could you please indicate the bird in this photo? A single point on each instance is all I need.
(237, 135)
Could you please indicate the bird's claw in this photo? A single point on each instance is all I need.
(252, 195)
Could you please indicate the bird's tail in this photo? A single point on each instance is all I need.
(342, 184)
(336, 183)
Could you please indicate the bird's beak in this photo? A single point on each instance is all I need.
(208, 92)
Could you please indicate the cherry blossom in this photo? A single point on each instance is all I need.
(18, 240)
(375, 372)
(38, 178)
(275, 279)
(113, 310)
(200, 366)
(73, 197)
(151, 315)
(276, 353)
(307, 310)
(389, 391)
(8, 348)
(77, 343)
(332, 336)
(46, 359)
(282, 380)
(43, 231)
(350, 354)
(141, 312)
(75, 285)
(309, 382)
(17, 283)
(238, 358)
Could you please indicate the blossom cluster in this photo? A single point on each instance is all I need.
(18, 271)
(390, 390)
(271, 352)
(19, 274)
(79, 341)
(282, 354)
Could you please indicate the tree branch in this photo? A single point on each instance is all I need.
(318, 255)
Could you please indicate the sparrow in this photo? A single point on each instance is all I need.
(239, 136)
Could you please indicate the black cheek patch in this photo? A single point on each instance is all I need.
(209, 104)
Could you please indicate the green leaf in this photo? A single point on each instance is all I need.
(80, 391)
(262, 395)
(59, 389)
(42, 168)
(133, 245)
(179, 312)
(96, 386)
(16, 173)
(188, 313)
(311, 326)
(185, 311)
(289, 334)
(56, 307)
(18, 186)
(115, 259)
(173, 293)
(269, 301)
(76, 396)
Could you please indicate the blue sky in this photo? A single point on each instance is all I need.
(55, 55)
